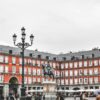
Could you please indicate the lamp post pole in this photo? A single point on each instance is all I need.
(23, 45)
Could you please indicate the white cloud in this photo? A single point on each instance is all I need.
(58, 25)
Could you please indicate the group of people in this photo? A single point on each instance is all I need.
(59, 97)
(83, 96)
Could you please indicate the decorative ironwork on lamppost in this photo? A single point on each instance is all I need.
(23, 45)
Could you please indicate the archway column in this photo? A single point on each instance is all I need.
(19, 90)
(6, 90)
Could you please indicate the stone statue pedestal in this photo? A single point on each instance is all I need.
(49, 89)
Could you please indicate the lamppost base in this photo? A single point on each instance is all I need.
(23, 91)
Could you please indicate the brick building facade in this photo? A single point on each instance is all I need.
(80, 70)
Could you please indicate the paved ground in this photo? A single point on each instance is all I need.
(71, 98)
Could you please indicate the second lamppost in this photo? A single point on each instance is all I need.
(23, 45)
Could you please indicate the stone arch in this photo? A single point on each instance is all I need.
(13, 85)
(76, 88)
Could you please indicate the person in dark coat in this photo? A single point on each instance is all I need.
(81, 95)
(61, 97)
(43, 97)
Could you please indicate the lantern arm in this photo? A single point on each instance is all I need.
(19, 45)
(26, 45)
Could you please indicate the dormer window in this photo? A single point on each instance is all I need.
(47, 57)
(92, 55)
(82, 56)
(72, 58)
(64, 58)
(10, 51)
(54, 58)
(21, 53)
(39, 56)
(30, 54)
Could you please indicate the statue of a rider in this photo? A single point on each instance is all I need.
(48, 70)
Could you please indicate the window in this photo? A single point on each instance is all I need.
(95, 70)
(75, 64)
(54, 72)
(96, 80)
(25, 80)
(57, 73)
(58, 81)
(42, 62)
(75, 73)
(51, 64)
(80, 64)
(80, 72)
(62, 73)
(90, 62)
(85, 80)
(46, 62)
(13, 69)
(25, 61)
(33, 62)
(29, 71)
(71, 73)
(38, 79)
(62, 66)
(66, 73)
(85, 71)
(38, 72)
(76, 80)
(71, 65)
(20, 70)
(29, 80)
(95, 62)
(54, 65)
(90, 72)
(1, 68)
(1, 78)
(1, 58)
(85, 63)
(62, 81)
(90, 80)
(6, 59)
(38, 63)
(66, 65)
(29, 61)
(10, 51)
(20, 60)
(13, 60)
(25, 70)
(34, 80)
(66, 81)
(71, 81)
(81, 81)
(6, 69)
(34, 71)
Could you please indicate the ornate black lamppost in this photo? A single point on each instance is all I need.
(23, 45)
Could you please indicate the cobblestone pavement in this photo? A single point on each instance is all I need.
(72, 98)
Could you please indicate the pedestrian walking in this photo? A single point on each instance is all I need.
(98, 96)
(74, 97)
(85, 96)
(61, 97)
(58, 97)
(43, 97)
(81, 95)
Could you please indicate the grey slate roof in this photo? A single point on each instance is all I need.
(16, 51)
(59, 57)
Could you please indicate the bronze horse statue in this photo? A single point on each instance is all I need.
(48, 70)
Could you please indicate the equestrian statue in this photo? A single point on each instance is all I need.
(48, 70)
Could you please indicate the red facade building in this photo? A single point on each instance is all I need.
(80, 70)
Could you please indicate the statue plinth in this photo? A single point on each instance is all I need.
(49, 90)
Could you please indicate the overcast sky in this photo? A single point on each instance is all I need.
(58, 25)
